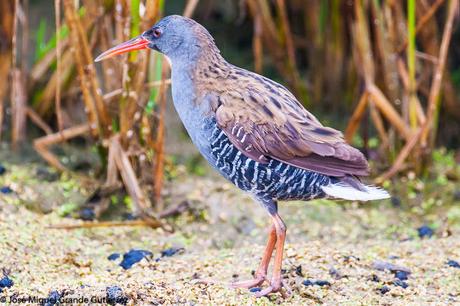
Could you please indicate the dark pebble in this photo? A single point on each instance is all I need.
(115, 295)
(320, 283)
(425, 231)
(255, 289)
(130, 217)
(6, 190)
(171, 252)
(113, 256)
(53, 298)
(336, 274)
(453, 263)
(457, 195)
(132, 257)
(396, 202)
(384, 289)
(87, 214)
(2, 170)
(375, 278)
(46, 175)
(402, 275)
(298, 270)
(400, 283)
(6, 282)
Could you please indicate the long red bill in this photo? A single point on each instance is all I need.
(136, 43)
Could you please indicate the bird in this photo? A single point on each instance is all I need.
(254, 132)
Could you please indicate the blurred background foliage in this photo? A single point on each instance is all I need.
(385, 72)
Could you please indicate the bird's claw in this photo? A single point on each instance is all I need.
(275, 286)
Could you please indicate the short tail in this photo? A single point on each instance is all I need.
(345, 191)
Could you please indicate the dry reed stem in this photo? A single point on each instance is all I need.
(433, 98)
(112, 171)
(378, 123)
(18, 88)
(286, 33)
(421, 23)
(159, 143)
(41, 144)
(257, 47)
(143, 206)
(18, 107)
(90, 107)
(43, 65)
(38, 121)
(119, 91)
(57, 9)
(55, 81)
(190, 8)
(405, 80)
(356, 117)
(388, 111)
(98, 116)
(146, 222)
(6, 29)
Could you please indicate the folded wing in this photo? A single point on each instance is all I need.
(264, 120)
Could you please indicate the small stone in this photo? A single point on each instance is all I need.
(87, 214)
(401, 275)
(425, 231)
(115, 295)
(336, 274)
(400, 283)
(375, 278)
(298, 271)
(53, 298)
(396, 202)
(113, 256)
(384, 289)
(133, 256)
(457, 195)
(2, 170)
(453, 263)
(6, 282)
(6, 190)
(255, 289)
(383, 265)
(320, 283)
(129, 217)
(171, 252)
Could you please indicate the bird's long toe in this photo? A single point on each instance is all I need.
(248, 284)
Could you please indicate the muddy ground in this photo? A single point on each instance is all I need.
(335, 251)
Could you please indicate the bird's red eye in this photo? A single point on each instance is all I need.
(156, 33)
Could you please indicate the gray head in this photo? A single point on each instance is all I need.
(180, 38)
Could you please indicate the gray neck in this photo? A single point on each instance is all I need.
(194, 116)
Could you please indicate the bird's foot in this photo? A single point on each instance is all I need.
(248, 284)
(276, 285)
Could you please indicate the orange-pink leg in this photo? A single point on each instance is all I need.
(261, 273)
(276, 282)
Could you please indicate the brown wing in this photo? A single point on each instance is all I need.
(264, 120)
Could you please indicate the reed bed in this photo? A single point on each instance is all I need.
(388, 61)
